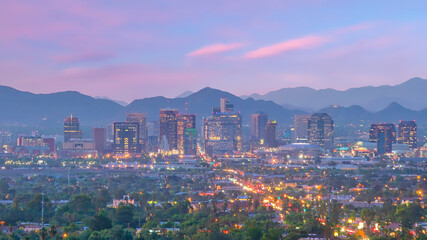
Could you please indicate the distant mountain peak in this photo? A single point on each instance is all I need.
(395, 106)
(414, 81)
(209, 90)
(184, 94)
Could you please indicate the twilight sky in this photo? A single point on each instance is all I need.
(136, 49)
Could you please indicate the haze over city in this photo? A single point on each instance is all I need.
(162, 48)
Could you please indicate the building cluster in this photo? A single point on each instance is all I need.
(221, 133)
(385, 137)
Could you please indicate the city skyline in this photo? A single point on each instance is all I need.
(104, 49)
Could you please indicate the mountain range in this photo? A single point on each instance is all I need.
(26, 108)
(410, 94)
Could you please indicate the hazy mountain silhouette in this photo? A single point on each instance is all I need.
(25, 108)
(393, 113)
(201, 103)
(410, 94)
(123, 103)
(18, 107)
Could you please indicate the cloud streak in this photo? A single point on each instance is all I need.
(290, 45)
(215, 48)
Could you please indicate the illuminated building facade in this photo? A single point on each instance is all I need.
(72, 129)
(126, 138)
(375, 127)
(301, 127)
(223, 131)
(141, 119)
(408, 133)
(321, 131)
(258, 125)
(38, 143)
(30, 141)
(169, 128)
(384, 134)
(270, 134)
(185, 122)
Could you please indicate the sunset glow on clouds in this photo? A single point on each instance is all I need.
(294, 44)
(141, 49)
(215, 48)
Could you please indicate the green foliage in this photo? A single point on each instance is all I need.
(408, 215)
(100, 222)
(255, 233)
(4, 186)
(124, 215)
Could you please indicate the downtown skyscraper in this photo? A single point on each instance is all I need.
(126, 138)
(168, 132)
(186, 133)
(270, 134)
(321, 131)
(258, 125)
(408, 133)
(72, 129)
(142, 123)
(384, 134)
(223, 130)
(301, 127)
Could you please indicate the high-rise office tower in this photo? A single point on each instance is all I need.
(375, 127)
(270, 134)
(226, 106)
(223, 131)
(142, 122)
(72, 129)
(321, 131)
(258, 125)
(301, 127)
(99, 139)
(384, 145)
(169, 128)
(126, 138)
(384, 134)
(408, 133)
(185, 122)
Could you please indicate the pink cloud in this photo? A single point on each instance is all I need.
(290, 45)
(215, 48)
